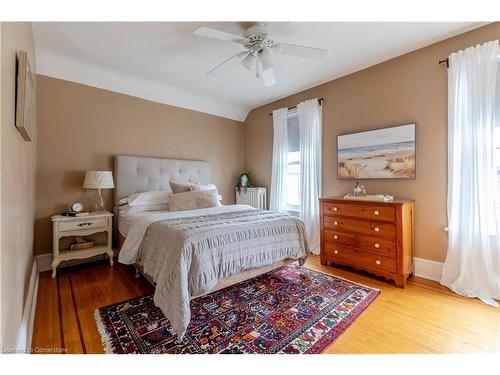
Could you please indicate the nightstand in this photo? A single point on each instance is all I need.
(66, 226)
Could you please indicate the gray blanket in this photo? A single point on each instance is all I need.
(188, 256)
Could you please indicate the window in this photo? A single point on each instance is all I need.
(293, 170)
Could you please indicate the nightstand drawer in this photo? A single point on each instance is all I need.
(83, 224)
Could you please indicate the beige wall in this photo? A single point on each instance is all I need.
(18, 160)
(409, 88)
(81, 128)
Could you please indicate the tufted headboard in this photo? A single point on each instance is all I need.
(135, 174)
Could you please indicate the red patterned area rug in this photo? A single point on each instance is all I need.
(289, 310)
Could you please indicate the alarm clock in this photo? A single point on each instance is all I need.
(76, 207)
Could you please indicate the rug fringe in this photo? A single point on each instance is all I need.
(101, 328)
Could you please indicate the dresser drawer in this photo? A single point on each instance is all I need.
(360, 226)
(362, 211)
(372, 244)
(83, 224)
(359, 258)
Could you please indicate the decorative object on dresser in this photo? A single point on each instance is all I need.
(99, 180)
(64, 226)
(373, 236)
(253, 196)
(371, 197)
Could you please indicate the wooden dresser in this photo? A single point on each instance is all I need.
(373, 236)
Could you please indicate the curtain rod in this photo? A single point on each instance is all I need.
(320, 100)
(447, 61)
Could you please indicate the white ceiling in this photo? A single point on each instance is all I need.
(165, 62)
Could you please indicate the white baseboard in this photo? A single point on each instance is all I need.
(425, 268)
(44, 262)
(428, 269)
(26, 329)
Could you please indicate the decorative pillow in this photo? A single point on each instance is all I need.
(125, 209)
(202, 187)
(179, 187)
(146, 198)
(193, 200)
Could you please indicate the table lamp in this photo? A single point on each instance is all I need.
(99, 180)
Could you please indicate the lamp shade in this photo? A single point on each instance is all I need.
(98, 180)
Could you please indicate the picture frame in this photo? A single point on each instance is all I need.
(25, 98)
(381, 153)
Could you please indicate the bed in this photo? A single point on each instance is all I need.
(186, 254)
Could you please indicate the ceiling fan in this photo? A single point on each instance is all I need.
(257, 43)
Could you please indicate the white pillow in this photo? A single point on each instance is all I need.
(146, 198)
(126, 209)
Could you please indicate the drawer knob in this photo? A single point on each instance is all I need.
(377, 245)
(376, 212)
(378, 262)
(336, 251)
(335, 208)
(84, 224)
(336, 237)
(376, 229)
(335, 223)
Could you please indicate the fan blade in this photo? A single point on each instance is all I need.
(220, 35)
(248, 61)
(302, 51)
(228, 63)
(263, 57)
(268, 77)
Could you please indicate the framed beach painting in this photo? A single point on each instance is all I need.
(380, 153)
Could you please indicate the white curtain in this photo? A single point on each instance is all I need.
(310, 119)
(472, 266)
(277, 199)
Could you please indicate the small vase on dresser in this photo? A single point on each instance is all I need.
(374, 236)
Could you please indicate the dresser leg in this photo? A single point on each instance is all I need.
(323, 262)
(401, 282)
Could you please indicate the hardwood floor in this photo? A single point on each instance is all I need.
(423, 318)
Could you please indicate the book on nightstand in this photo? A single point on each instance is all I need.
(75, 214)
(81, 245)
